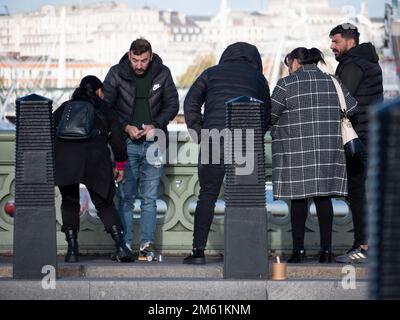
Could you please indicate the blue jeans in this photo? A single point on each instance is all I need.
(141, 181)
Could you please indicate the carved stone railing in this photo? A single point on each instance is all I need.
(176, 205)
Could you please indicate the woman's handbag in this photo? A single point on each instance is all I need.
(353, 147)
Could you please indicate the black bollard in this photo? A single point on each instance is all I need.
(35, 247)
(384, 201)
(245, 255)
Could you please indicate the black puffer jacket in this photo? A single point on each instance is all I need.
(119, 92)
(360, 72)
(89, 162)
(239, 73)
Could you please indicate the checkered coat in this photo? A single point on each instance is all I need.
(308, 159)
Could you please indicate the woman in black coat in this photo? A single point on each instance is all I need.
(89, 162)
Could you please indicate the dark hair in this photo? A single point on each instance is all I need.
(348, 31)
(87, 89)
(140, 46)
(305, 56)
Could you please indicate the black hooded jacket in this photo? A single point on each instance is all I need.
(119, 92)
(238, 73)
(360, 72)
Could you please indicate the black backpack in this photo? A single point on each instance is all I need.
(77, 122)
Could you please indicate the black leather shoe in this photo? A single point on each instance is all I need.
(326, 256)
(196, 257)
(298, 256)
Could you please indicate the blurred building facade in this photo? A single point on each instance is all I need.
(391, 59)
(55, 46)
(102, 32)
(98, 33)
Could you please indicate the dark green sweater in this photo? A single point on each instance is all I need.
(141, 114)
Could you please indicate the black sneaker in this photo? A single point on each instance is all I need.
(354, 255)
(196, 257)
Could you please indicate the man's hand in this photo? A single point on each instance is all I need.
(148, 131)
(133, 132)
(118, 175)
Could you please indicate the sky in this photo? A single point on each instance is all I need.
(191, 7)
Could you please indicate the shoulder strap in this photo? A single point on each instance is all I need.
(340, 94)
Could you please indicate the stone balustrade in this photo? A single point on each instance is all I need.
(176, 206)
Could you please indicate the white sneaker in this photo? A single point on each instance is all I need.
(144, 245)
(128, 246)
(146, 248)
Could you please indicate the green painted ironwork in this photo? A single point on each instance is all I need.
(176, 204)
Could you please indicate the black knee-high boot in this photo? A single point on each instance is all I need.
(123, 254)
(71, 236)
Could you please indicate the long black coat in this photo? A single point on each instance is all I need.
(239, 73)
(89, 162)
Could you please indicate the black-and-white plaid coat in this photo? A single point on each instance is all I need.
(308, 159)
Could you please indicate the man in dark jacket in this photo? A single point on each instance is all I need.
(360, 72)
(141, 89)
(239, 73)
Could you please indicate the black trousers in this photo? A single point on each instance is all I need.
(298, 216)
(211, 177)
(70, 208)
(356, 178)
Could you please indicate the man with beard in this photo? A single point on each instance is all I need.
(360, 72)
(141, 89)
